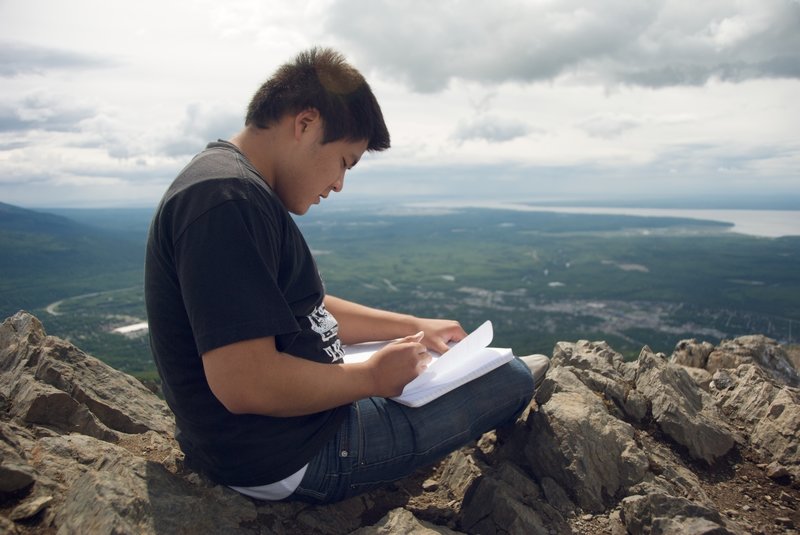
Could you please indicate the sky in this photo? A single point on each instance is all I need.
(103, 102)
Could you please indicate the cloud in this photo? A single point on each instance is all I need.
(653, 44)
(491, 129)
(11, 145)
(696, 74)
(82, 177)
(18, 58)
(41, 111)
(520, 98)
(609, 126)
(200, 125)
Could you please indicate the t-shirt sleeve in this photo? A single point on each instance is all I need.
(227, 262)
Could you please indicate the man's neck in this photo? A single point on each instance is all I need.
(258, 144)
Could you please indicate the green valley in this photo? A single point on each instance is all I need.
(541, 277)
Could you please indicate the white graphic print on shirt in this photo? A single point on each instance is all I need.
(324, 324)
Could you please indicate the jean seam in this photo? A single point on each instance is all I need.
(359, 435)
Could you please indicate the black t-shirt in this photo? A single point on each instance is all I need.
(225, 262)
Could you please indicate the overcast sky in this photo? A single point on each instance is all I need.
(102, 102)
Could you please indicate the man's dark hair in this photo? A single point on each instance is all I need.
(322, 79)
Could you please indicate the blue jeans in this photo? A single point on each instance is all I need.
(383, 441)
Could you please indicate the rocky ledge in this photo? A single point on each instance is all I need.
(703, 441)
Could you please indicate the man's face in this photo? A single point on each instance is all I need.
(317, 169)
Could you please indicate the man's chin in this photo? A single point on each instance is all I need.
(301, 210)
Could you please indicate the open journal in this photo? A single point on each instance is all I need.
(467, 360)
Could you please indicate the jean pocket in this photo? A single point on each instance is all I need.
(324, 469)
(316, 483)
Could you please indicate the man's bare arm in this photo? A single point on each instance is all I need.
(253, 377)
(359, 323)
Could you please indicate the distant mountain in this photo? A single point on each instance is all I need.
(16, 219)
(136, 221)
(45, 257)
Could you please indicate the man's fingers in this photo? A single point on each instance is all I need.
(441, 347)
(413, 338)
(422, 363)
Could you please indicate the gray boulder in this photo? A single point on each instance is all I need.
(692, 353)
(756, 349)
(577, 443)
(749, 374)
(54, 384)
(768, 414)
(684, 412)
(669, 515)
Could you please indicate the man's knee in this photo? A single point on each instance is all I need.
(521, 378)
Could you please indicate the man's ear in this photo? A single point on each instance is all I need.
(305, 120)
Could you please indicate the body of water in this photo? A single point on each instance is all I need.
(765, 223)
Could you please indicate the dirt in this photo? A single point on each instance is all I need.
(747, 496)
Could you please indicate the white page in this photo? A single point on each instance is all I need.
(441, 365)
(453, 361)
(463, 362)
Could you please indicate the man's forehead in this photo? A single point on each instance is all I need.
(356, 150)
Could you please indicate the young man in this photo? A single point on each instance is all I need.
(247, 343)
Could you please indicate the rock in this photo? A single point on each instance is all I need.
(744, 392)
(30, 508)
(48, 406)
(402, 522)
(667, 475)
(692, 353)
(661, 513)
(759, 350)
(770, 411)
(617, 527)
(777, 471)
(557, 496)
(15, 474)
(603, 370)
(683, 412)
(430, 485)
(136, 498)
(459, 470)
(109, 489)
(507, 501)
(776, 434)
(87, 449)
(702, 378)
(55, 384)
(584, 355)
(7, 526)
(721, 380)
(592, 454)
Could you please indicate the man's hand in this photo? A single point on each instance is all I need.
(439, 333)
(397, 364)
